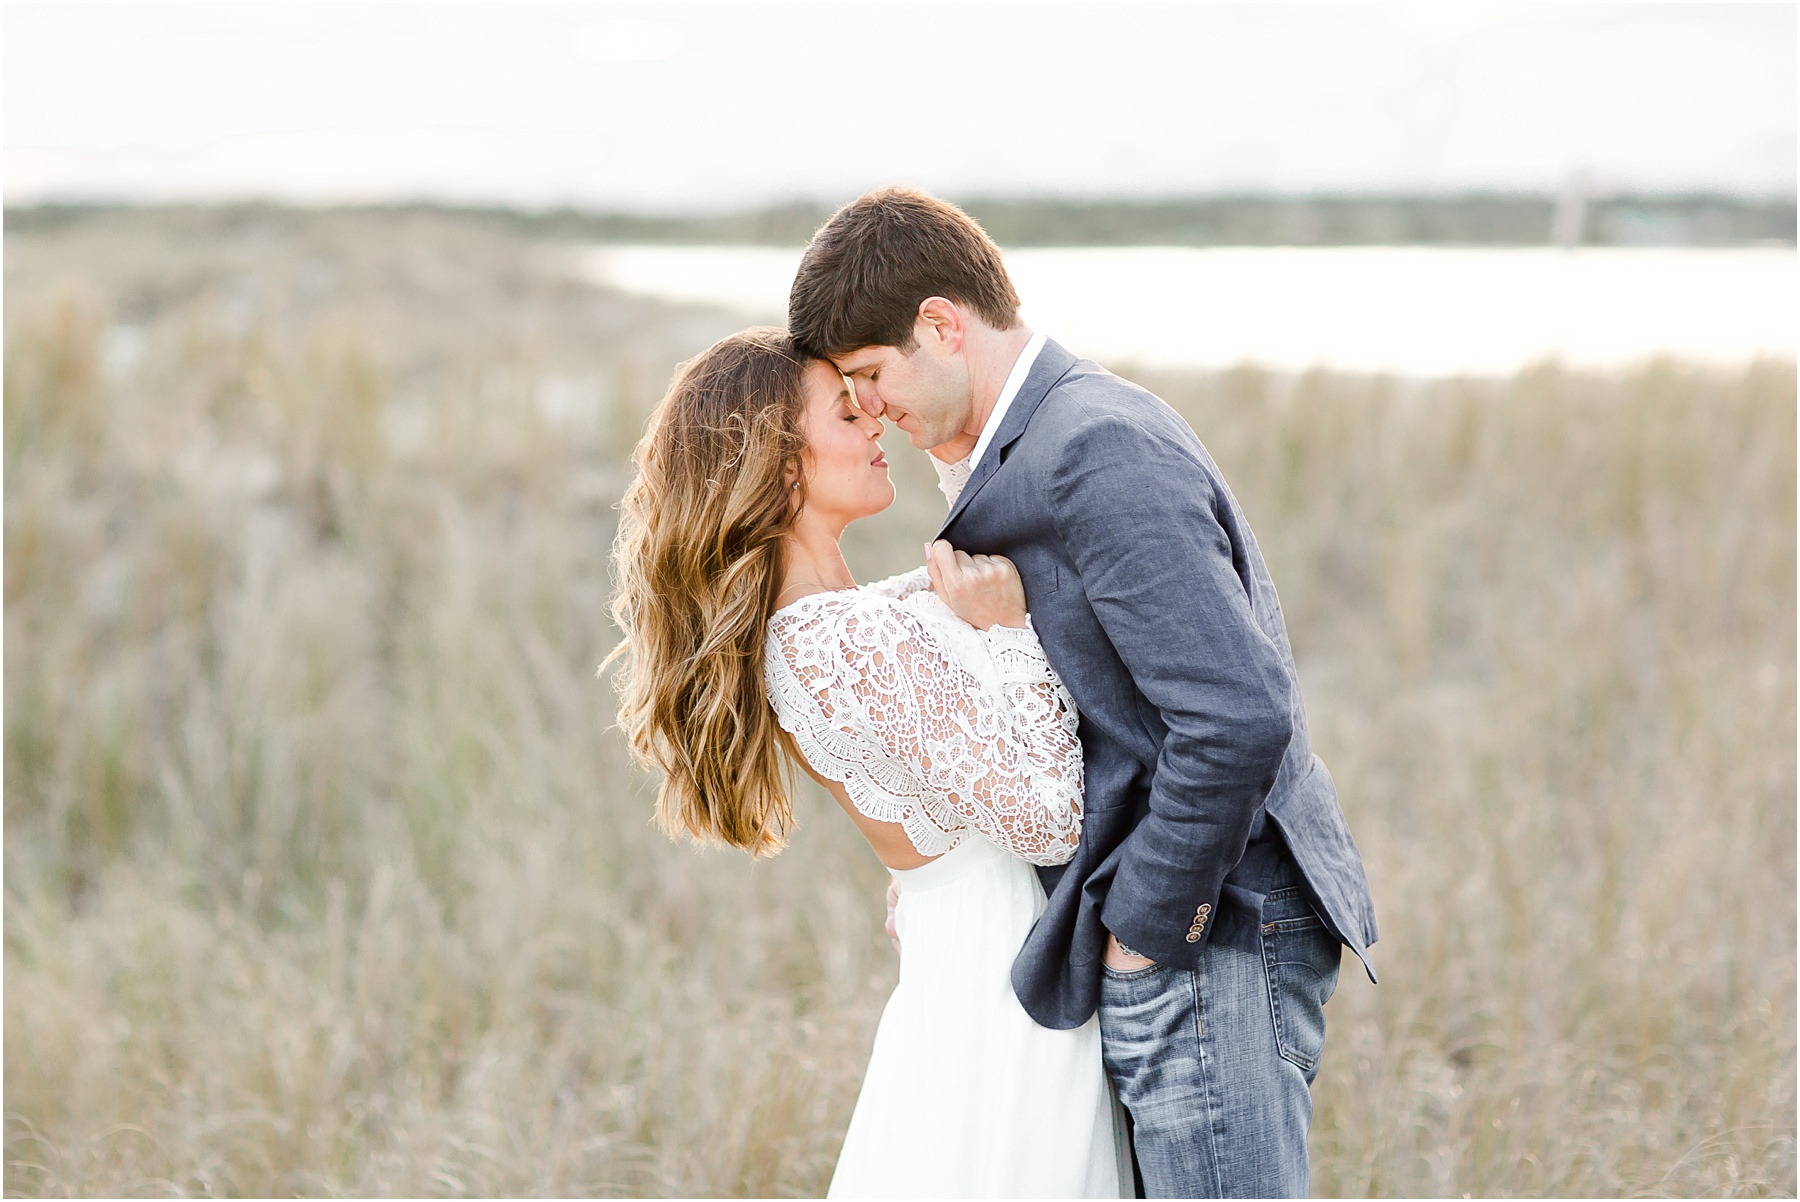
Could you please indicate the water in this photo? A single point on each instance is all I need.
(1423, 311)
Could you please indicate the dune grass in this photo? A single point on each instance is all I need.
(325, 873)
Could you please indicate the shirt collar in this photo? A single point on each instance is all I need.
(1015, 381)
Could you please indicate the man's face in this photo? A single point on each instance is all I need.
(925, 393)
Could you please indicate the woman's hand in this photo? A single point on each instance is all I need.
(982, 590)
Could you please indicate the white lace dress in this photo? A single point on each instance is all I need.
(966, 739)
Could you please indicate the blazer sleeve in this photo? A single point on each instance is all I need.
(1140, 517)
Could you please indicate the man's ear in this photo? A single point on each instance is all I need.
(941, 322)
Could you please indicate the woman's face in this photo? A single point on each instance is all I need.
(846, 473)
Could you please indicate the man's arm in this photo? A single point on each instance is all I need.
(1139, 516)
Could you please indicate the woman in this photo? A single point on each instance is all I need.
(923, 704)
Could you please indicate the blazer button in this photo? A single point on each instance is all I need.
(1193, 936)
(1205, 909)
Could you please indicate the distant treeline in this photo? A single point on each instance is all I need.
(1492, 220)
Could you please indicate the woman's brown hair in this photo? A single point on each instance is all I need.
(698, 564)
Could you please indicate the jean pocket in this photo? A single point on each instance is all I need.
(1300, 958)
(1129, 974)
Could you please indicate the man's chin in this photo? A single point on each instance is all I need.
(930, 440)
(925, 438)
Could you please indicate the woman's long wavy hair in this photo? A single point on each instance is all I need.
(698, 565)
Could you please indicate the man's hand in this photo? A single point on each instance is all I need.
(1116, 957)
(893, 899)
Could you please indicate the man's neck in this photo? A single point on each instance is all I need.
(991, 354)
(956, 450)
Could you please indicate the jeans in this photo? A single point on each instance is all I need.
(1215, 1066)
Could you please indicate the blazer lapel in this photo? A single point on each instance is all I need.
(1053, 363)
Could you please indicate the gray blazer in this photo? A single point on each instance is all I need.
(1152, 600)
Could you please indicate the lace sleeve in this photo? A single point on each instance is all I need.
(898, 587)
(883, 706)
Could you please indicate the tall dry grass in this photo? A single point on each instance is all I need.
(324, 873)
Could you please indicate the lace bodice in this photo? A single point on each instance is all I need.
(928, 722)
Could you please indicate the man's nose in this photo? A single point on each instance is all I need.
(870, 401)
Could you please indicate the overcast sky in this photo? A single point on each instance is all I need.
(711, 106)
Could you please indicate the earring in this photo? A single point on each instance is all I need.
(795, 484)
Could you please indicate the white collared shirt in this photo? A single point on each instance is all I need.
(953, 476)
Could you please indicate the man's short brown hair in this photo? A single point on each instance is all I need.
(867, 270)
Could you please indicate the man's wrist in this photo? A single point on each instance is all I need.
(1120, 956)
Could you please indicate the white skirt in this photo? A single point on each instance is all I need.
(965, 1096)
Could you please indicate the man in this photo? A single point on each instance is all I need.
(1203, 912)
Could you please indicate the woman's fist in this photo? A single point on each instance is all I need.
(982, 590)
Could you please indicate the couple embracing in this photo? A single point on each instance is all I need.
(1074, 736)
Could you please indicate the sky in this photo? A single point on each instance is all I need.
(697, 107)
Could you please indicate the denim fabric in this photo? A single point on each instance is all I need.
(1215, 1064)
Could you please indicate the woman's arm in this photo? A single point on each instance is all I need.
(1003, 760)
(876, 701)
